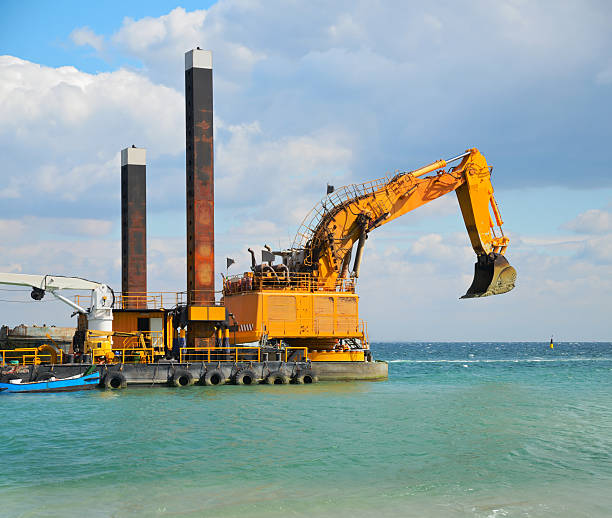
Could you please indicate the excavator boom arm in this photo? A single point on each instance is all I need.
(356, 210)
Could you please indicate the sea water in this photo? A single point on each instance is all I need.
(459, 429)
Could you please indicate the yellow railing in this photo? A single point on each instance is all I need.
(155, 299)
(220, 354)
(281, 280)
(237, 354)
(366, 337)
(149, 300)
(290, 354)
(28, 356)
(134, 355)
(153, 339)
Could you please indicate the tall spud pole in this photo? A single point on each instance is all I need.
(200, 190)
(134, 228)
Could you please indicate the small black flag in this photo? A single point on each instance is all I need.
(330, 189)
(228, 262)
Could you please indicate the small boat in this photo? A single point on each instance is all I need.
(83, 381)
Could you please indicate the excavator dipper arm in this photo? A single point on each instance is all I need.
(352, 212)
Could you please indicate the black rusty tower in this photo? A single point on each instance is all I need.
(200, 189)
(133, 227)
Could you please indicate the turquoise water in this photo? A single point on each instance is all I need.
(477, 430)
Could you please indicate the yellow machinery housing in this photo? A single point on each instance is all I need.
(294, 315)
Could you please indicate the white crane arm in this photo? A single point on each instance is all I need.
(48, 282)
(99, 315)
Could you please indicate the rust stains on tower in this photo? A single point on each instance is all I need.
(200, 187)
(133, 227)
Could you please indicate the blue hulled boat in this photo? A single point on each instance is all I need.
(79, 382)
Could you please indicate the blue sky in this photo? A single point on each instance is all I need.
(310, 93)
(40, 31)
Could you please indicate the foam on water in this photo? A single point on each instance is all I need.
(522, 431)
(521, 360)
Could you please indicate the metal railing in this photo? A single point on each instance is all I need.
(149, 300)
(292, 354)
(152, 339)
(237, 354)
(135, 355)
(156, 299)
(291, 281)
(220, 354)
(28, 356)
(366, 337)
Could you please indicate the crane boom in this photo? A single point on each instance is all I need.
(348, 215)
(99, 315)
(48, 282)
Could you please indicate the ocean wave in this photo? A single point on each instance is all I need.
(507, 360)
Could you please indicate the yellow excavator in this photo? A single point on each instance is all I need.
(308, 300)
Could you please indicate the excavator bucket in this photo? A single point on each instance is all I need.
(493, 275)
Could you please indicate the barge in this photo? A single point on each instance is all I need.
(183, 374)
(293, 317)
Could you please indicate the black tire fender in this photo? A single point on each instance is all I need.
(115, 381)
(246, 377)
(181, 378)
(277, 378)
(214, 377)
(306, 376)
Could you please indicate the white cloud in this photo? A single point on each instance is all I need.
(593, 221)
(168, 31)
(85, 36)
(61, 129)
(438, 247)
(32, 228)
(11, 190)
(253, 165)
(404, 299)
(161, 42)
(598, 250)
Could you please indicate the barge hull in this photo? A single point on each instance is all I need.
(163, 372)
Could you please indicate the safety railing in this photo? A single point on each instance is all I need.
(285, 281)
(28, 356)
(220, 354)
(366, 337)
(152, 339)
(156, 299)
(135, 355)
(149, 300)
(238, 354)
(295, 354)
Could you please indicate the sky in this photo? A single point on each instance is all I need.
(310, 93)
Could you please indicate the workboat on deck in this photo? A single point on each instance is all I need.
(79, 382)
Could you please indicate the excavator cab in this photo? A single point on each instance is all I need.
(493, 275)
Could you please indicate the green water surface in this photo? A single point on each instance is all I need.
(448, 435)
